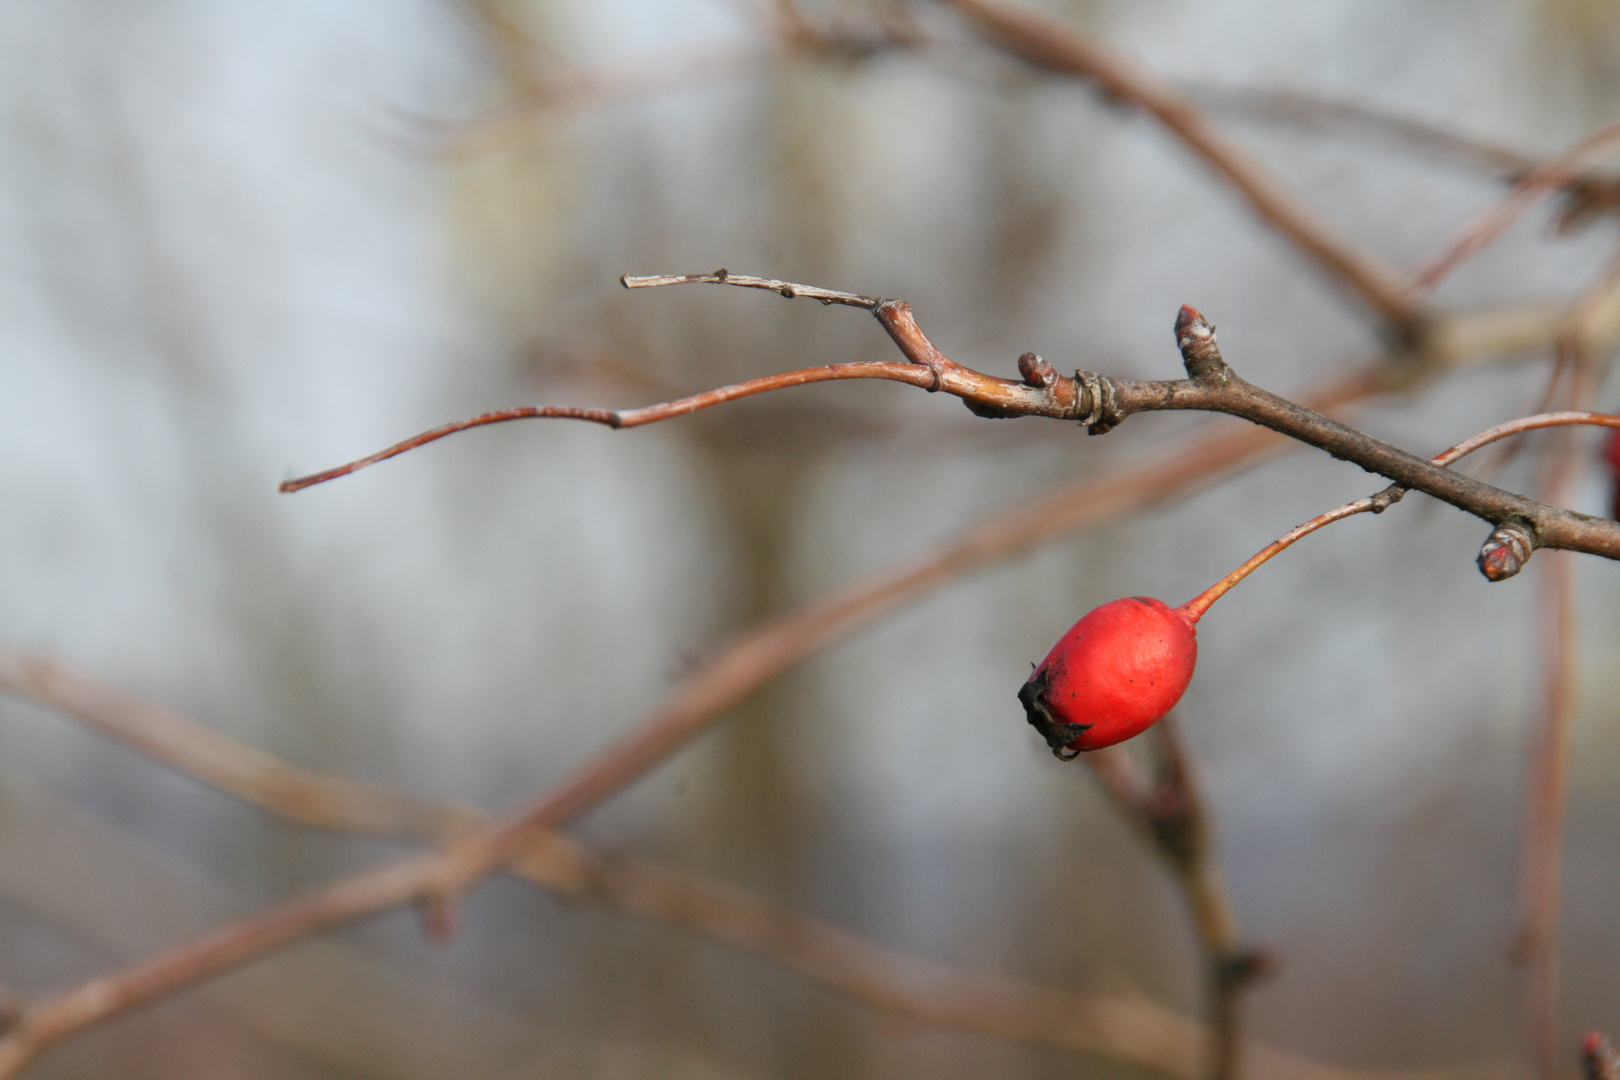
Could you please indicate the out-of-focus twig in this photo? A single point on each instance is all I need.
(299, 795)
(749, 663)
(1303, 107)
(1536, 185)
(1054, 44)
(687, 68)
(1098, 402)
(1585, 349)
(788, 34)
(1598, 1059)
(1172, 811)
(1588, 193)
(1541, 863)
(1121, 1027)
(1591, 328)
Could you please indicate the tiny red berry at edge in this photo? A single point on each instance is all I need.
(1117, 671)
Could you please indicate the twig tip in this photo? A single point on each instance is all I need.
(1195, 337)
(1506, 550)
(1190, 319)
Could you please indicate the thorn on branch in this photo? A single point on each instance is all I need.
(1507, 549)
(1195, 336)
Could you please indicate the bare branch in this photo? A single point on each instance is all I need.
(1503, 555)
(1100, 402)
(1121, 1027)
(1056, 45)
(308, 798)
(1541, 861)
(1535, 186)
(1308, 108)
(787, 289)
(1541, 885)
(747, 664)
(1172, 812)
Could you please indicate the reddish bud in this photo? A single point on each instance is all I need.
(1117, 670)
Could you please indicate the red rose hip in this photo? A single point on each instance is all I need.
(1117, 670)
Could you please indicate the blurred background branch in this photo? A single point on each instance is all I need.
(246, 241)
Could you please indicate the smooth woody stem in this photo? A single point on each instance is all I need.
(1194, 609)
(1199, 604)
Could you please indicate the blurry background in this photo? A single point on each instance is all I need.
(243, 241)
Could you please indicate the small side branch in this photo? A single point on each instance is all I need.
(787, 289)
(1113, 1026)
(1172, 811)
(1534, 186)
(1054, 44)
(1100, 402)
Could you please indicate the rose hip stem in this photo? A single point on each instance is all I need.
(1194, 609)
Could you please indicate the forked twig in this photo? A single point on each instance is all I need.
(1057, 45)
(1121, 1027)
(750, 662)
(1100, 402)
(1173, 813)
(1588, 192)
(1536, 185)
(434, 877)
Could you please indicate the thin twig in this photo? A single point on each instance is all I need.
(1536, 185)
(1536, 948)
(694, 705)
(1100, 402)
(1381, 501)
(1541, 866)
(746, 665)
(660, 72)
(299, 795)
(786, 289)
(1173, 813)
(1057, 45)
(1309, 108)
(1122, 1027)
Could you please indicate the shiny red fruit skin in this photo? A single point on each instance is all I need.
(1117, 670)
